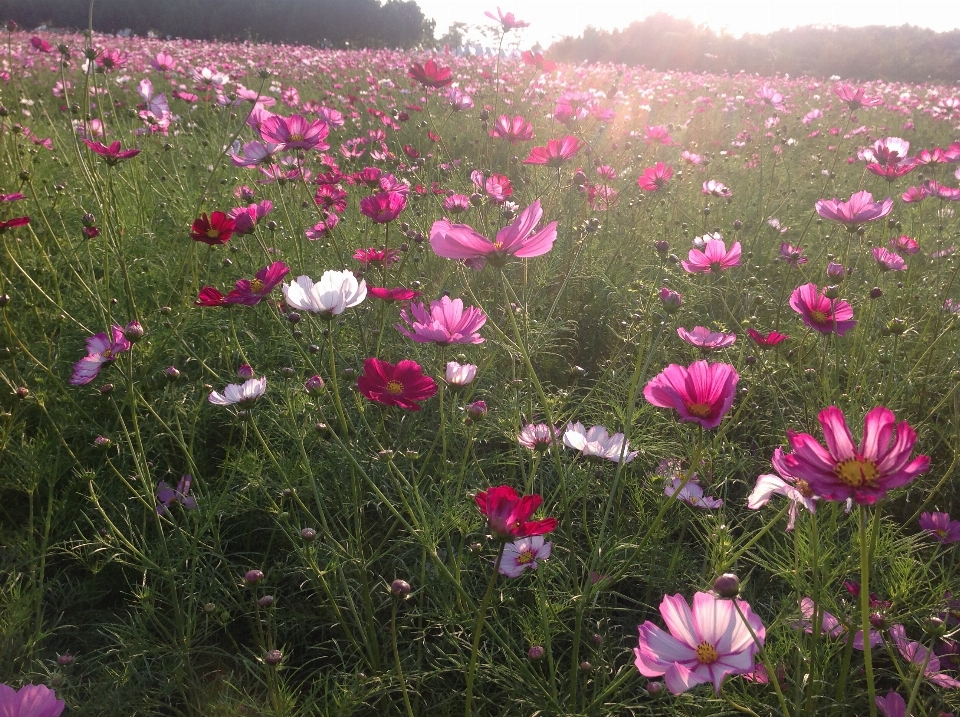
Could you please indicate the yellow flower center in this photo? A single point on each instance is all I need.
(857, 472)
(296, 138)
(525, 557)
(700, 410)
(707, 654)
(498, 245)
(256, 286)
(107, 353)
(818, 317)
(394, 387)
(213, 233)
(803, 488)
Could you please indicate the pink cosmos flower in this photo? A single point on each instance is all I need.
(917, 654)
(459, 100)
(163, 62)
(497, 186)
(704, 644)
(705, 339)
(820, 313)
(843, 471)
(101, 349)
(295, 132)
(767, 341)
(383, 207)
(702, 393)
(523, 555)
(458, 241)
(514, 130)
(655, 178)
(430, 74)
(713, 259)
(887, 151)
(456, 204)
(891, 172)
(376, 257)
(888, 260)
(798, 491)
(250, 292)
(391, 295)
(859, 209)
(460, 374)
(447, 322)
(691, 157)
(914, 194)
(893, 705)
(556, 153)
(167, 496)
(112, 154)
(243, 394)
(854, 97)
(904, 245)
(246, 218)
(716, 189)
(254, 153)
(597, 443)
(940, 526)
(934, 189)
(691, 493)
(402, 385)
(508, 21)
(538, 437)
(508, 513)
(793, 255)
(771, 97)
(656, 134)
(30, 701)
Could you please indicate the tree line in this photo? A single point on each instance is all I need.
(906, 53)
(327, 23)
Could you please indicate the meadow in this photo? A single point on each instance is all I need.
(375, 382)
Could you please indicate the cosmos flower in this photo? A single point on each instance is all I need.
(888, 260)
(713, 259)
(702, 393)
(597, 443)
(767, 341)
(250, 292)
(508, 514)
(112, 154)
(30, 701)
(798, 491)
(101, 349)
(842, 470)
(705, 643)
(556, 153)
(538, 436)
(460, 374)
(820, 313)
(430, 74)
(716, 189)
(295, 132)
(523, 554)
(859, 209)
(691, 493)
(705, 339)
(402, 385)
(514, 130)
(216, 230)
(458, 241)
(854, 97)
(332, 295)
(383, 207)
(940, 526)
(447, 322)
(655, 178)
(168, 497)
(390, 295)
(243, 394)
(793, 255)
(507, 21)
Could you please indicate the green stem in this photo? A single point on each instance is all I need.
(396, 659)
(865, 546)
(477, 630)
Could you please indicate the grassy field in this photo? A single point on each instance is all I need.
(223, 492)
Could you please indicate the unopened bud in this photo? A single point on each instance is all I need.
(252, 577)
(273, 657)
(314, 386)
(536, 653)
(400, 588)
(727, 585)
(133, 332)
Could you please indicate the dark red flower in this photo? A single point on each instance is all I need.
(111, 154)
(331, 198)
(209, 296)
(431, 74)
(508, 513)
(767, 341)
(18, 222)
(398, 294)
(216, 230)
(402, 385)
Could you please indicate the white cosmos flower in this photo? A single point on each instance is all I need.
(460, 375)
(597, 442)
(247, 392)
(335, 292)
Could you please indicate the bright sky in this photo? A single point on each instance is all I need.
(551, 19)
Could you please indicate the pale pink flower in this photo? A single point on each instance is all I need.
(243, 394)
(859, 209)
(538, 436)
(797, 491)
(458, 241)
(691, 493)
(460, 374)
(888, 260)
(30, 701)
(447, 322)
(523, 554)
(705, 339)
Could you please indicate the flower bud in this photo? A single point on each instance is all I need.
(133, 332)
(106, 388)
(536, 653)
(876, 292)
(832, 291)
(737, 225)
(245, 372)
(476, 410)
(727, 585)
(209, 608)
(460, 374)
(655, 688)
(65, 659)
(293, 317)
(88, 220)
(835, 271)
(670, 299)
(287, 372)
(252, 577)
(12, 26)
(265, 601)
(400, 588)
(662, 247)
(896, 326)
(102, 442)
(4, 299)
(22, 392)
(172, 373)
(273, 657)
(313, 386)
(585, 666)
(308, 534)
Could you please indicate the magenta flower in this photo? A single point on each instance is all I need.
(793, 255)
(112, 154)
(934, 189)
(250, 292)
(859, 209)
(940, 526)
(447, 322)
(30, 701)
(391, 295)
(713, 259)
(246, 218)
(655, 178)
(914, 194)
(820, 313)
(523, 555)
(383, 207)
(376, 257)
(295, 132)
(904, 245)
(101, 349)
(767, 341)
(704, 644)
(702, 393)
(893, 705)
(705, 339)
(430, 74)
(507, 21)
(508, 514)
(917, 654)
(556, 153)
(458, 241)
(888, 260)
(167, 497)
(843, 471)
(854, 97)
(515, 130)
(402, 385)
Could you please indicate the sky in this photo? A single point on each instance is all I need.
(551, 19)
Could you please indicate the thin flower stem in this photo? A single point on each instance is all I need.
(865, 549)
(396, 659)
(737, 707)
(477, 630)
(750, 543)
(771, 675)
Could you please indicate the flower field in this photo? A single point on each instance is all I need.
(369, 382)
